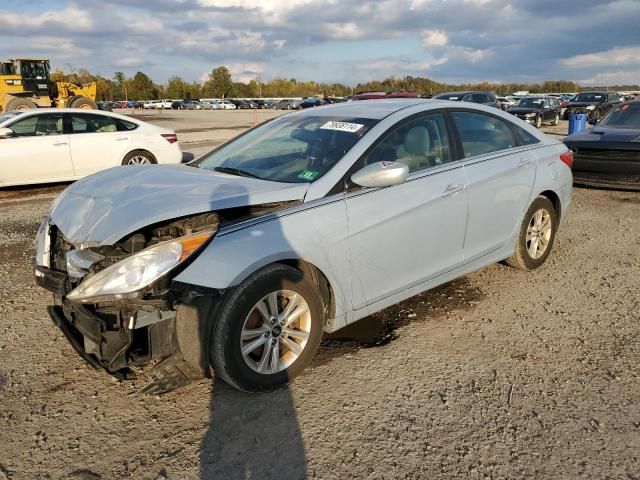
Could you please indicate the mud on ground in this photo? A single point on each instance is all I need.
(501, 374)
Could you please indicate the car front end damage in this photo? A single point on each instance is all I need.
(112, 328)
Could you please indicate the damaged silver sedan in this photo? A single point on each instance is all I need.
(239, 261)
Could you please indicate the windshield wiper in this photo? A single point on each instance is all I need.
(235, 171)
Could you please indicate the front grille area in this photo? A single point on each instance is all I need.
(606, 166)
(607, 155)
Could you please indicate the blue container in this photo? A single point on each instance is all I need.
(577, 122)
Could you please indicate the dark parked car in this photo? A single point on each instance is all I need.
(287, 104)
(178, 105)
(483, 98)
(311, 102)
(608, 155)
(537, 110)
(594, 104)
(106, 106)
(383, 95)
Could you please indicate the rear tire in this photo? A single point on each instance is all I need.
(19, 103)
(556, 120)
(139, 157)
(536, 235)
(250, 343)
(83, 103)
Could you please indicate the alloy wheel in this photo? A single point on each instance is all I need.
(138, 160)
(539, 233)
(276, 332)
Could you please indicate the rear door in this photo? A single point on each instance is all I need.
(500, 176)
(38, 151)
(96, 142)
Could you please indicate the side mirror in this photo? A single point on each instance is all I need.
(381, 174)
(6, 132)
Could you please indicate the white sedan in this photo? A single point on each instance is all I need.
(65, 144)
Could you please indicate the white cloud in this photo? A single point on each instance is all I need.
(434, 38)
(620, 77)
(618, 56)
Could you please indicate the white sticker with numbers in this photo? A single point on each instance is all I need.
(342, 126)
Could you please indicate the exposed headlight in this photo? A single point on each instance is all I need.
(590, 107)
(127, 277)
(530, 115)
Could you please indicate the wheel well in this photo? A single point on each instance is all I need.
(320, 279)
(555, 200)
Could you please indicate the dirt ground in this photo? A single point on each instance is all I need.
(501, 374)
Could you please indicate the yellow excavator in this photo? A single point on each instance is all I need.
(26, 83)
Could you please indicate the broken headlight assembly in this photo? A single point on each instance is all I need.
(136, 272)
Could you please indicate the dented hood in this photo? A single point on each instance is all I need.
(104, 208)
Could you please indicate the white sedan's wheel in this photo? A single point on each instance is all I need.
(276, 332)
(139, 157)
(266, 330)
(536, 235)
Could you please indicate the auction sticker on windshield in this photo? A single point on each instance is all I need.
(342, 126)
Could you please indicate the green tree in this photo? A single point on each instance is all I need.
(141, 87)
(219, 84)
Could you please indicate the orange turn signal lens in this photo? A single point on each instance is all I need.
(191, 243)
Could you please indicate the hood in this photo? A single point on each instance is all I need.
(605, 137)
(516, 110)
(103, 208)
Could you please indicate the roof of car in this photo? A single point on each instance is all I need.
(78, 110)
(374, 109)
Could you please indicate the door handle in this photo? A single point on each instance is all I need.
(57, 144)
(121, 139)
(452, 189)
(524, 162)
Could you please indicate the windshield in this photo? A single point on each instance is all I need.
(448, 96)
(34, 70)
(626, 115)
(588, 97)
(292, 149)
(529, 103)
(7, 116)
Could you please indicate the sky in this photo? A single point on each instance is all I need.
(594, 42)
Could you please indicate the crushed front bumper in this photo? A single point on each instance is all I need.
(112, 337)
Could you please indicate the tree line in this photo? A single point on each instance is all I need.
(220, 84)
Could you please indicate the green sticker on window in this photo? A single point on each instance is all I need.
(307, 174)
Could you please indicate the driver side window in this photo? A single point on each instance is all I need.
(38, 125)
(419, 143)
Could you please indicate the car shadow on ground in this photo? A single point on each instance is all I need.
(252, 436)
(257, 436)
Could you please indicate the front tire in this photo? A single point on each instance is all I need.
(538, 121)
(556, 120)
(20, 103)
(268, 329)
(536, 235)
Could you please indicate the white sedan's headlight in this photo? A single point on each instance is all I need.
(127, 277)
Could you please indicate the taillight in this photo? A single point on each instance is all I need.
(567, 158)
(170, 137)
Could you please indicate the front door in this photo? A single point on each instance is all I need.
(404, 235)
(96, 143)
(38, 151)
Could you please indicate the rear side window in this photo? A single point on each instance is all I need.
(524, 137)
(38, 125)
(123, 125)
(87, 123)
(480, 133)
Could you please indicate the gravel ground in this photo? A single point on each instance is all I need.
(501, 374)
